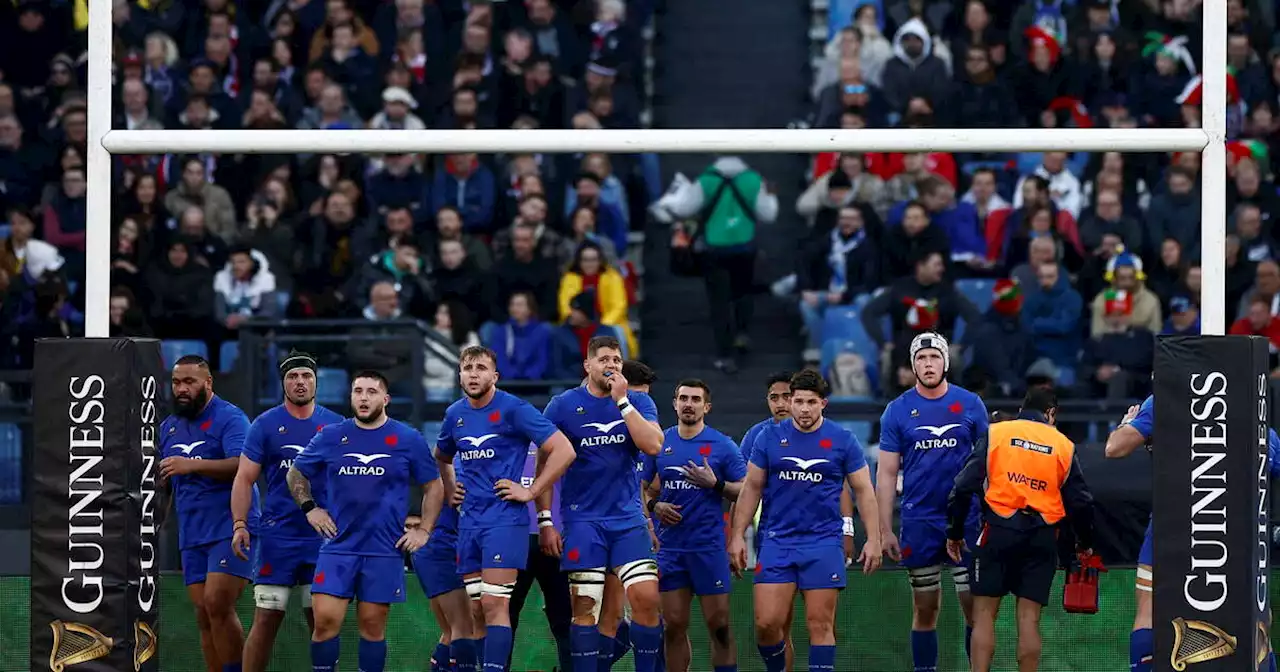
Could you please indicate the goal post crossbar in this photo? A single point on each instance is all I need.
(103, 142)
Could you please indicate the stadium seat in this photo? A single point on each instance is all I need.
(842, 323)
(176, 349)
(431, 430)
(10, 464)
(870, 355)
(978, 291)
(228, 353)
(331, 386)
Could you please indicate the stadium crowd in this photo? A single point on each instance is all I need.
(534, 244)
(1043, 267)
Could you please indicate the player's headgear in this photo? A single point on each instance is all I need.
(297, 360)
(935, 341)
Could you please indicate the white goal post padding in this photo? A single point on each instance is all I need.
(103, 142)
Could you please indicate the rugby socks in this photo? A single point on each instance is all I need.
(371, 655)
(775, 656)
(324, 655)
(647, 642)
(480, 644)
(968, 642)
(924, 650)
(621, 642)
(232, 667)
(1271, 662)
(440, 659)
(584, 643)
(822, 658)
(606, 647)
(464, 655)
(1141, 650)
(497, 648)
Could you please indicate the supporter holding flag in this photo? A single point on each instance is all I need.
(926, 435)
(369, 463)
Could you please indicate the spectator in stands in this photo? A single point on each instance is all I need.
(914, 69)
(243, 289)
(383, 348)
(523, 342)
(834, 270)
(958, 220)
(1256, 243)
(330, 111)
(127, 319)
(983, 99)
(207, 249)
(468, 185)
(1250, 185)
(1240, 276)
(915, 303)
(610, 221)
(903, 186)
(21, 164)
(66, 218)
(582, 223)
(396, 114)
(577, 330)
(850, 91)
(1051, 315)
(522, 271)
(1041, 250)
(591, 271)
(611, 191)
(1108, 216)
(23, 253)
(449, 227)
(549, 244)
(1259, 321)
(982, 194)
(1175, 213)
(129, 256)
(1008, 231)
(916, 238)
(452, 332)
(400, 185)
(1128, 291)
(1001, 345)
(328, 260)
(1118, 358)
(182, 298)
(1266, 286)
(1064, 187)
(458, 280)
(555, 36)
(264, 231)
(196, 191)
(1184, 317)
(1166, 278)
(403, 265)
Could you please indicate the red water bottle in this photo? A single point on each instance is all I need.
(1080, 594)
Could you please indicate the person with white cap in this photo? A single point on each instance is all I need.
(926, 434)
(396, 114)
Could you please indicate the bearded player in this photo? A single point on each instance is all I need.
(927, 434)
(489, 431)
(698, 468)
(286, 546)
(200, 447)
(798, 471)
(604, 524)
(369, 462)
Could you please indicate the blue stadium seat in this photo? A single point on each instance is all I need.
(486, 332)
(176, 349)
(332, 387)
(978, 291)
(842, 322)
(431, 430)
(10, 464)
(870, 354)
(228, 353)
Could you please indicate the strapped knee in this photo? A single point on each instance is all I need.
(503, 590)
(960, 578)
(637, 571)
(925, 579)
(589, 583)
(475, 588)
(273, 598)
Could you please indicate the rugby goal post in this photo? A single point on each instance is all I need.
(1210, 139)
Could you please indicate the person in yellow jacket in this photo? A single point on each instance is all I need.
(591, 271)
(1030, 483)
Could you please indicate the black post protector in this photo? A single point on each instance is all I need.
(95, 505)
(1211, 523)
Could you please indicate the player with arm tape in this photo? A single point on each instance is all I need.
(200, 448)
(1136, 429)
(489, 431)
(778, 398)
(369, 463)
(436, 566)
(287, 546)
(927, 434)
(605, 527)
(798, 470)
(697, 469)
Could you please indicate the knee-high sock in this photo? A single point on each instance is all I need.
(924, 650)
(372, 655)
(324, 655)
(968, 641)
(232, 667)
(822, 658)
(646, 642)
(621, 642)
(464, 655)
(584, 643)
(1271, 662)
(1141, 650)
(497, 648)
(440, 659)
(775, 657)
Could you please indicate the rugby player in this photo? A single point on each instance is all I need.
(287, 546)
(369, 463)
(489, 431)
(200, 448)
(697, 468)
(927, 433)
(798, 470)
(436, 566)
(604, 523)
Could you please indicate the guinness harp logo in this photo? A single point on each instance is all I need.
(1264, 644)
(1198, 641)
(75, 643)
(144, 644)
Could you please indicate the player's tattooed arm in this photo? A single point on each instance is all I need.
(299, 486)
